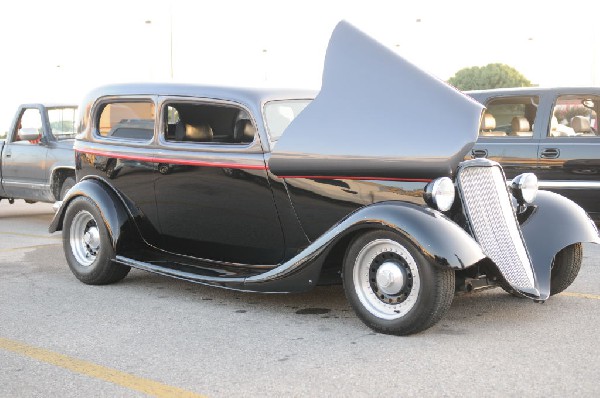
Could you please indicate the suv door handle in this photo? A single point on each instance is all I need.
(550, 153)
(479, 153)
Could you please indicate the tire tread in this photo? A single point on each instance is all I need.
(567, 264)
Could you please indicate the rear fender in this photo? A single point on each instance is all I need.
(553, 223)
(113, 211)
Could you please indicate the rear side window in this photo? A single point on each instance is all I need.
(127, 120)
(509, 117)
(62, 122)
(575, 116)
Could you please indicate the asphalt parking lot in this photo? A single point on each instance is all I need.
(154, 336)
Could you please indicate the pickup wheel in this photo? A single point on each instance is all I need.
(565, 268)
(87, 245)
(392, 287)
(67, 184)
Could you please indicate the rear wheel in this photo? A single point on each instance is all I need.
(67, 184)
(392, 287)
(565, 268)
(87, 245)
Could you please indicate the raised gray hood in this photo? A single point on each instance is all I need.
(377, 115)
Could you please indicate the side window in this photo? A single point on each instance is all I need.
(30, 122)
(279, 114)
(509, 117)
(126, 120)
(208, 123)
(575, 116)
(62, 122)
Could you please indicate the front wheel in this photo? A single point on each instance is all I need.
(87, 245)
(392, 287)
(565, 268)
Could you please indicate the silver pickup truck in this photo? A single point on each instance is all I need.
(37, 161)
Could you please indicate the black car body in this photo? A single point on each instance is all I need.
(223, 190)
(552, 132)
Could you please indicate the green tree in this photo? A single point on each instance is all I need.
(489, 76)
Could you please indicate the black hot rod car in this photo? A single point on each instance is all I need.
(276, 191)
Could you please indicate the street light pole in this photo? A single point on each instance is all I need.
(171, 39)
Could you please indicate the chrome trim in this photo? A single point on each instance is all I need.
(29, 184)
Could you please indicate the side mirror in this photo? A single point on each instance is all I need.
(28, 134)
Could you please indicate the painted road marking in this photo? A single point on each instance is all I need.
(30, 235)
(581, 295)
(147, 386)
(12, 249)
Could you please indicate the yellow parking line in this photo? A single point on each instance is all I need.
(12, 249)
(582, 295)
(150, 387)
(29, 235)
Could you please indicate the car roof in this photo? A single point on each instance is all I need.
(48, 105)
(534, 91)
(244, 94)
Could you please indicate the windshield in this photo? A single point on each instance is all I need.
(62, 122)
(279, 115)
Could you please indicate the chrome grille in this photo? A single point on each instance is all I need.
(492, 219)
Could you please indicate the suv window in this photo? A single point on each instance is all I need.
(62, 122)
(207, 123)
(509, 117)
(127, 120)
(30, 119)
(575, 116)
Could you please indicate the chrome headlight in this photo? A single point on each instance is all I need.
(525, 187)
(440, 193)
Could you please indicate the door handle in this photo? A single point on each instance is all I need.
(550, 153)
(479, 153)
(8, 154)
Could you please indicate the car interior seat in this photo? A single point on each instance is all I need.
(581, 124)
(560, 130)
(198, 132)
(488, 124)
(520, 127)
(243, 131)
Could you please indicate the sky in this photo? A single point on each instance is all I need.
(57, 50)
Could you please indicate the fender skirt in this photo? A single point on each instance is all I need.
(553, 223)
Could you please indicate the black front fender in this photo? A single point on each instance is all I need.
(112, 209)
(439, 239)
(553, 223)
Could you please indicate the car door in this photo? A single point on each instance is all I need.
(24, 170)
(569, 152)
(509, 133)
(213, 196)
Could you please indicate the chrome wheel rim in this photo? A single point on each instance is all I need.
(386, 279)
(84, 238)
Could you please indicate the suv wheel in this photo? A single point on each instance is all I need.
(67, 184)
(565, 268)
